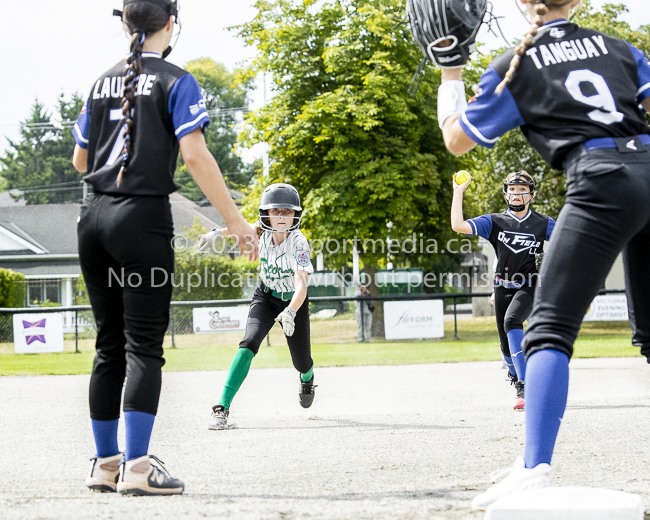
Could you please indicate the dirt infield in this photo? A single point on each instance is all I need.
(409, 442)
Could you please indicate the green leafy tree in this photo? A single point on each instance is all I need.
(226, 99)
(512, 152)
(367, 157)
(40, 163)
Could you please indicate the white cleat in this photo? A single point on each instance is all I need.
(104, 472)
(519, 478)
(141, 478)
(219, 418)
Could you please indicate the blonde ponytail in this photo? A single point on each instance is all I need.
(541, 10)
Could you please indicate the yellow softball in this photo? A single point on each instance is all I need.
(461, 176)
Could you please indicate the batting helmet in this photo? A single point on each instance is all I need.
(280, 196)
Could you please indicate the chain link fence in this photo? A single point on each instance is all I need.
(333, 319)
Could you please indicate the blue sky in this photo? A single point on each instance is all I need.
(61, 47)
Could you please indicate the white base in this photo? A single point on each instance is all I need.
(567, 503)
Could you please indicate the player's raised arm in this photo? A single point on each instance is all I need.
(458, 223)
(451, 104)
(448, 43)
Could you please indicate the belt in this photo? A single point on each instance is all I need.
(284, 296)
(610, 142)
(508, 285)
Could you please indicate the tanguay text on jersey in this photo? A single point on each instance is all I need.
(569, 50)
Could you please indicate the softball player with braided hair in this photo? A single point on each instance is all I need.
(577, 96)
(517, 236)
(128, 136)
(282, 296)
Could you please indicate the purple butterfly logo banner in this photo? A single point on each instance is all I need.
(38, 333)
(34, 337)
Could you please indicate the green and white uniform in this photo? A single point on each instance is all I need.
(280, 263)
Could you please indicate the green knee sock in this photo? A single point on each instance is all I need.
(236, 375)
(308, 376)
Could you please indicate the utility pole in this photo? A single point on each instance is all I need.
(265, 159)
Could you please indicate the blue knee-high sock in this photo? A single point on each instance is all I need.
(138, 432)
(546, 393)
(514, 342)
(105, 433)
(511, 366)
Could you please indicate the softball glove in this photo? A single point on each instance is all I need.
(446, 30)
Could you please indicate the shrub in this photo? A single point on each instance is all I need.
(12, 294)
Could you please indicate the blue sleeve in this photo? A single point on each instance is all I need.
(187, 106)
(550, 228)
(481, 226)
(81, 128)
(490, 115)
(644, 74)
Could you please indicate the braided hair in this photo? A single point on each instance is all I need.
(541, 10)
(140, 19)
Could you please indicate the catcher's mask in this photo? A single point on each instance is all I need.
(521, 178)
(170, 6)
(280, 196)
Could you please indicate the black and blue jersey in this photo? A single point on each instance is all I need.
(169, 105)
(515, 241)
(572, 85)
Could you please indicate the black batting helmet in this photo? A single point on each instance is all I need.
(280, 195)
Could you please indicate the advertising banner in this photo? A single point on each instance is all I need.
(608, 307)
(219, 319)
(38, 333)
(414, 319)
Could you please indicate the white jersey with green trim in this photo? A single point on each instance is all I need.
(280, 263)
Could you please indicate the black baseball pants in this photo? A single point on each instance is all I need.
(127, 262)
(261, 317)
(607, 211)
(512, 308)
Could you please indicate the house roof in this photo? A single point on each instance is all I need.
(43, 238)
(52, 226)
(6, 198)
(44, 268)
(184, 211)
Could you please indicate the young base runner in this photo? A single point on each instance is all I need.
(517, 236)
(282, 296)
(576, 94)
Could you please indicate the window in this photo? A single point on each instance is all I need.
(39, 291)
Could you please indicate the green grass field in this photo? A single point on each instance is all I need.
(333, 344)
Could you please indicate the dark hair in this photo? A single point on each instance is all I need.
(140, 19)
(541, 10)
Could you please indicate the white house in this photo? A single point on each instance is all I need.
(40, 241)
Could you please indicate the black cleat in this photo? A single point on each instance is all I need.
(306, 393)
(519, 401)
(519, 388)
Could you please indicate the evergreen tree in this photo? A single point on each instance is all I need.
(40, 163)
